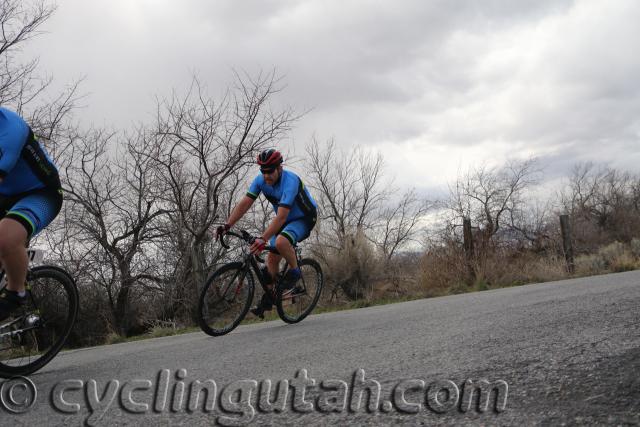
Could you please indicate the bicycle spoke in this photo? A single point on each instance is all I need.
(294, 305)
(39, 330)
(225, 299)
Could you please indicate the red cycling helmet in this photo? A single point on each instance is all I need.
(269, 159)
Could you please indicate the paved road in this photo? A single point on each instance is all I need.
(568, 351)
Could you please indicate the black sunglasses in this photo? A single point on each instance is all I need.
(267, 171)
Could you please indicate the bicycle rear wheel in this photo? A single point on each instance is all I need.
(293, 307)
(225, 299)
(34, 335)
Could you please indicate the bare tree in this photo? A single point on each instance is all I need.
(494, 200)
(399, 223)
(491, 197)
(21, 87)
(84, 260)
(536, 223)
(115, 202)
(603, 204)
(362, 225)
(580, 193)
(51, 119)
(20, 21)
(348, 187)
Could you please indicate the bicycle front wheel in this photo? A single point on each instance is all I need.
(225, 299)
(37, 332)
(294, 305)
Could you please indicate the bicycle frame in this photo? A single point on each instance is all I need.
(251, 261)
(15, 332)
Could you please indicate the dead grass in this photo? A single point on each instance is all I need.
(612, 258)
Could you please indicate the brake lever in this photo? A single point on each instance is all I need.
(250, 240)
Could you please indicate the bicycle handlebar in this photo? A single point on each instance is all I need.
(244, 236)
(247, 238)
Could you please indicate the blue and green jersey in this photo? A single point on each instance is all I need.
(289, 192)
(24, 164)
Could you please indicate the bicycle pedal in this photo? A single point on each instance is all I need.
(257, 311)
(32, 320)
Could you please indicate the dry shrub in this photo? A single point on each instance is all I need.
(590, 264)
(505, 267)
(614, 257)
(354, 269)
(635, 247)
(625, 262)
(441, 268)
(625, 224)
(545, 269)
(399, 278)
(93, 321)
(612, 252)
(588, 236)
(444, 269)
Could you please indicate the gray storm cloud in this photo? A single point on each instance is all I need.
(438, 85)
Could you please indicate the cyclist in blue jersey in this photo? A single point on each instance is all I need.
(30, 198)
(296, 214)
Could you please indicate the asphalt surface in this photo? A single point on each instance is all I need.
(561, 353)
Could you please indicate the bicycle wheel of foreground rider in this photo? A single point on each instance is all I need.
(293, 307)
(225, 299)
(37, 332)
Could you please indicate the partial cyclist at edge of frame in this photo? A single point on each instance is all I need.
(30, 199)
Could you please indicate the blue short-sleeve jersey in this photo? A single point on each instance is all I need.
(289, 191)
(24, 164)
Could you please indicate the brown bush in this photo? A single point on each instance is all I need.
(441, 268)
(353, 269)
(507, 268)
(444, 269)
(614, 257)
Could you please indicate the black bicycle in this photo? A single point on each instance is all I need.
(36, 333)
(228, 293)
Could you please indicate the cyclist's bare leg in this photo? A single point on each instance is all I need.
(273, 262)
(13, 253)
(286, 250)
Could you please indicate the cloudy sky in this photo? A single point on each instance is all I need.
(437, 85)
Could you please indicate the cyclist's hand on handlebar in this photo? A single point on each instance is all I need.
(221, 230)
(257, 246)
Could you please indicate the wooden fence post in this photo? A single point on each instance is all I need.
(565, 229)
